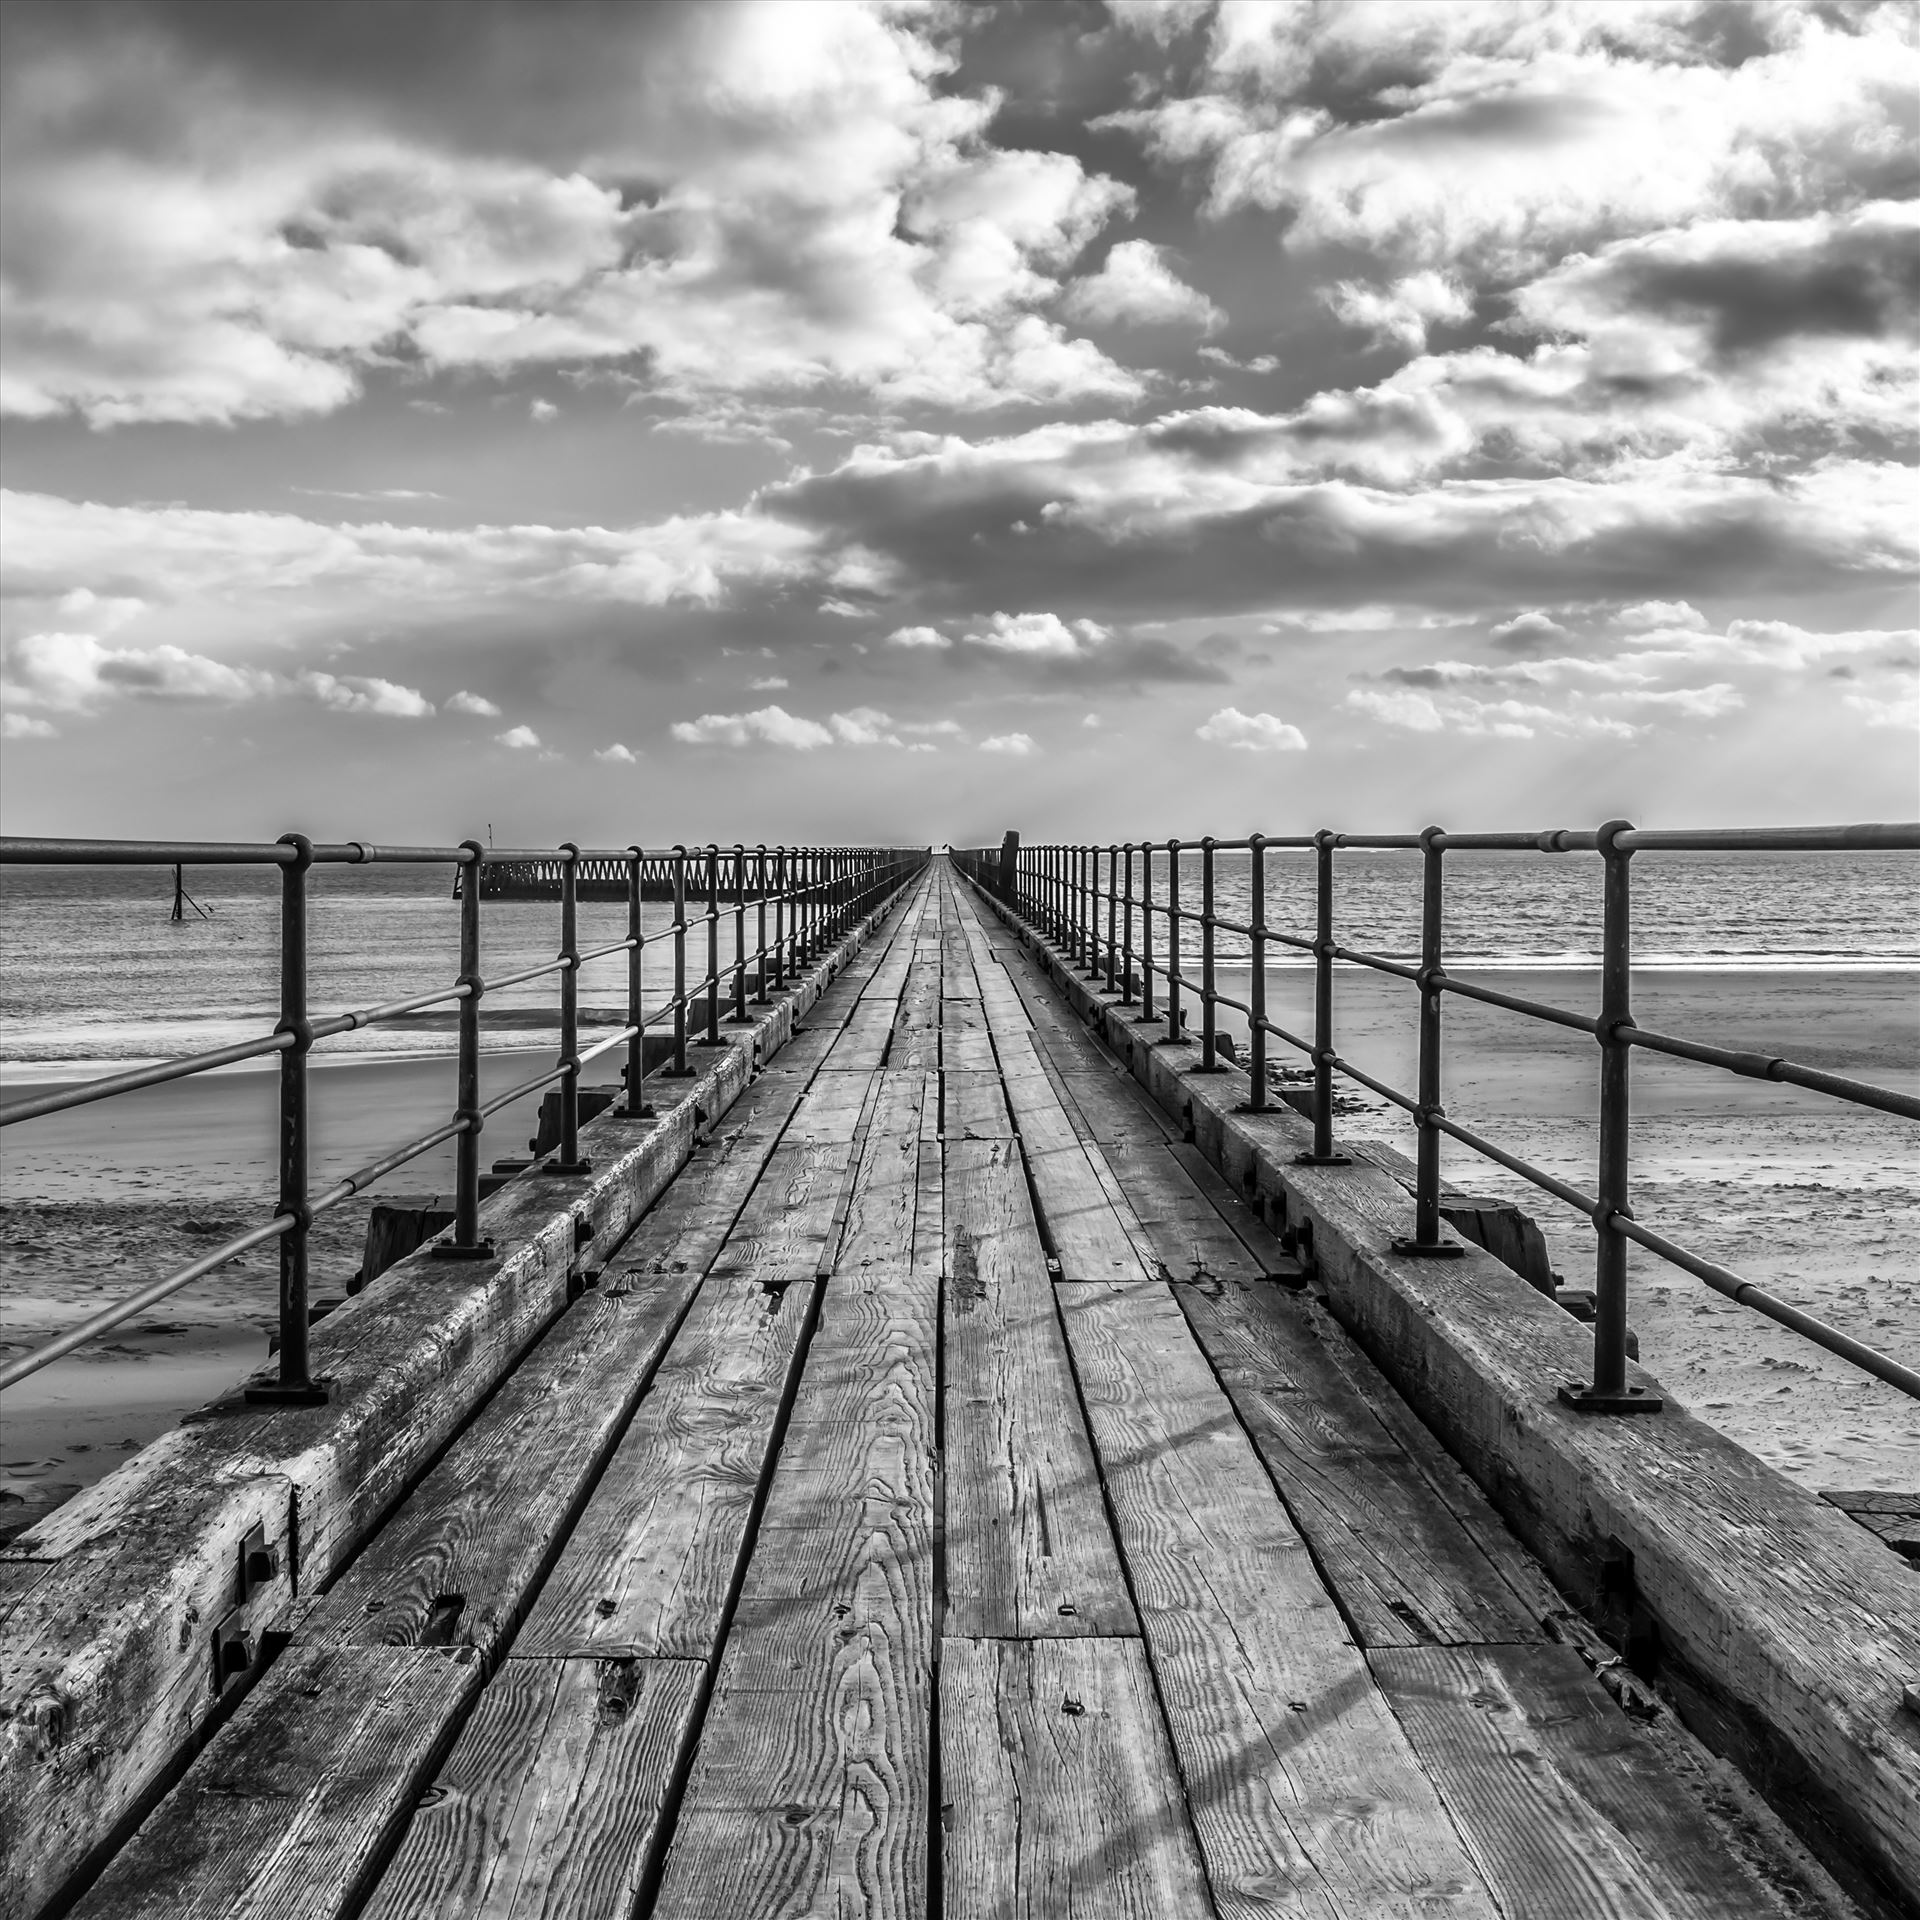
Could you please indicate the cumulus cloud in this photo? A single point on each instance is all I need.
(465, 702)
(762, 199)
(768, 683)
(520, 739)
(764, 727)
(1136, 288)
(928, 638)
(1252, 732)
(1399, 315)
(617, 755)
(1014, 743)
(1659, 613)
(358, 693)
(25, 726)
(1526, 631)
(1040, 635)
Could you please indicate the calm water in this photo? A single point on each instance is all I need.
(93, 971)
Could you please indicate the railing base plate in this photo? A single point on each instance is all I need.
(1423, 1250)
(278, 1393)
(1583, 1398)
(1322, 1160)
(567, 1169)
(452, 1250)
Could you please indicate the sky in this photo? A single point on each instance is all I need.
(906, 422)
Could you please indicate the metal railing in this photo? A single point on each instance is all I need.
(1062, 889)
(816, 895)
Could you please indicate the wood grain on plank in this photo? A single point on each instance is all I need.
(809, 1786)
(1087, 1218)
(1569, 1811)
(1301, 1782)
(299, 1793)
(966, 1050)
(1403, 1568)
(550, 1803)
(883, 1200)
(862, 1044)
(784, 1231)
(1060, 1795)
(652, 1559)
(455, 1565)
(975, 1106)
(1029, 1550)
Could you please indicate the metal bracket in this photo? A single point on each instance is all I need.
(1583, 1398)
(1322, 1160)
(452, 1250)
(232, 1650)
(282, 1393)
(1425, 1250)
(259, 1562)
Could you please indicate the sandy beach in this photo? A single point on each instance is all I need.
(1815, 1200)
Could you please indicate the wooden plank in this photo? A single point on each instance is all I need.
(862, 1045)
(1273, 1712)
(454, 1567)
(649, 1566)
(974, 1106)
(966, 1050)
(1079, 1211)
(18, 1578)
(785, 1229)
(1262, 1243)
(882, 1202)
(1029, 1551)
(551, 1801)
(1060, 1795)
(1569, 1811)
(809, 1789)
(1403, 1568)
(299, 1793)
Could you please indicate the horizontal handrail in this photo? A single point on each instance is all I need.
(1064, 888)
(815, 895)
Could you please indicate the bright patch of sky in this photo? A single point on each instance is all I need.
(1384, 410)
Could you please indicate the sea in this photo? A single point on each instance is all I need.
(94, 974)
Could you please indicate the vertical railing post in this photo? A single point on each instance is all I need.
(1173, 940)
(779, 916)
(1257, 984)
(1127, 993)
(466, 1243)
(711, 1038)
(1147, 1015)
(1607, 1391)
(296, 1385)
(1321, 1154)
(1207, 1032)
(680, 1067)
(1113, 906)
(569, 1160)
(1090, 909)
(740, 1015)
(763, 957)
(1426, 1185)
(637, 1106)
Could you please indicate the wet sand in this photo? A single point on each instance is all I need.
(97, 1201)
(1815, 1200)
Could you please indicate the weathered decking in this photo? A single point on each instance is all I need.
(947, 1502)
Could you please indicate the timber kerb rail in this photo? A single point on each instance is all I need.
(815, 894)
(1066, 888)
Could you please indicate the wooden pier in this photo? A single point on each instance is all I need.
(948, 1499)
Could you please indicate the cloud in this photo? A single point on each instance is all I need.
(618, 755)
(1400, 314)
(1092, 721)
(72, 672)
(542, 412)
(1042, 635)
(864, 727)
(758, 200)
(1659, 613)
(1526, 631)
(1255, 732)
(24, 726)
(520, 739)
(1491, 137)
(477, 704)
(918, 637)
(356, 693)
(1014, 743)
(768, 683)
(1136, 288)
(766, 726)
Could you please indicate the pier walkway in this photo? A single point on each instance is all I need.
(948, 1500)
